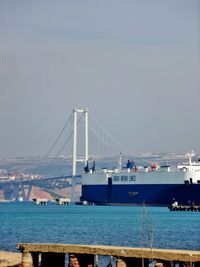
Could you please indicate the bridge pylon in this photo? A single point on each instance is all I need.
(26, 192)
(16, 190)
(74, 155)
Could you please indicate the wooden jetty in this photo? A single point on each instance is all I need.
(53, 255)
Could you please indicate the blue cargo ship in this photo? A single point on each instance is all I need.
(153, 185)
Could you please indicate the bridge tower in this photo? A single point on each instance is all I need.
(75, 159)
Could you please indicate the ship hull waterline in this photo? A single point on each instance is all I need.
(140, 194)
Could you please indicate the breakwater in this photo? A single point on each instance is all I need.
(51, 255)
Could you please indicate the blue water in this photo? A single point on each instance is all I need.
(109, 225)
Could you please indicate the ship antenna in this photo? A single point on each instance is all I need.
(120, 162)
(190, 158)
(190, 154)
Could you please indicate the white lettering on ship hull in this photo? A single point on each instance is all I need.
(124, 178)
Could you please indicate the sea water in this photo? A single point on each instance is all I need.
(130, 226)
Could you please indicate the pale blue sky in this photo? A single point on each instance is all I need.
(134, 64)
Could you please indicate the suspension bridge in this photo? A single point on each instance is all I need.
(82, 140)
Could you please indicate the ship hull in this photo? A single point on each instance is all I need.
(138, 194)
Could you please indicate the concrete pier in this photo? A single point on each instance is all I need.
(81, 260)
(85, 255)
(40, 201)
(63, 201)
(50, 259)
(27, 259)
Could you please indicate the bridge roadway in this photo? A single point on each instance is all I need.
(14, 189)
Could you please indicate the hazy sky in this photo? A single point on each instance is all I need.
(134, 63)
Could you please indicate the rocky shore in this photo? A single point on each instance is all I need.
(8, 259)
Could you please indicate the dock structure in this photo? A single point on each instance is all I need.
(51, 255)
(63, 201)
(176, 207)
(40, 201)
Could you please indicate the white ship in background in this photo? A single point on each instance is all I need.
(152, 185)
(134, 185)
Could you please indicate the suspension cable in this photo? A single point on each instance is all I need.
(46, 156)
(61, 149)
(112, 138)
(102, 139)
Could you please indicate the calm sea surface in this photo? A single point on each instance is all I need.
(109, 225)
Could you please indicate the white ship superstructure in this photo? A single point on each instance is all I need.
(159, 185)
